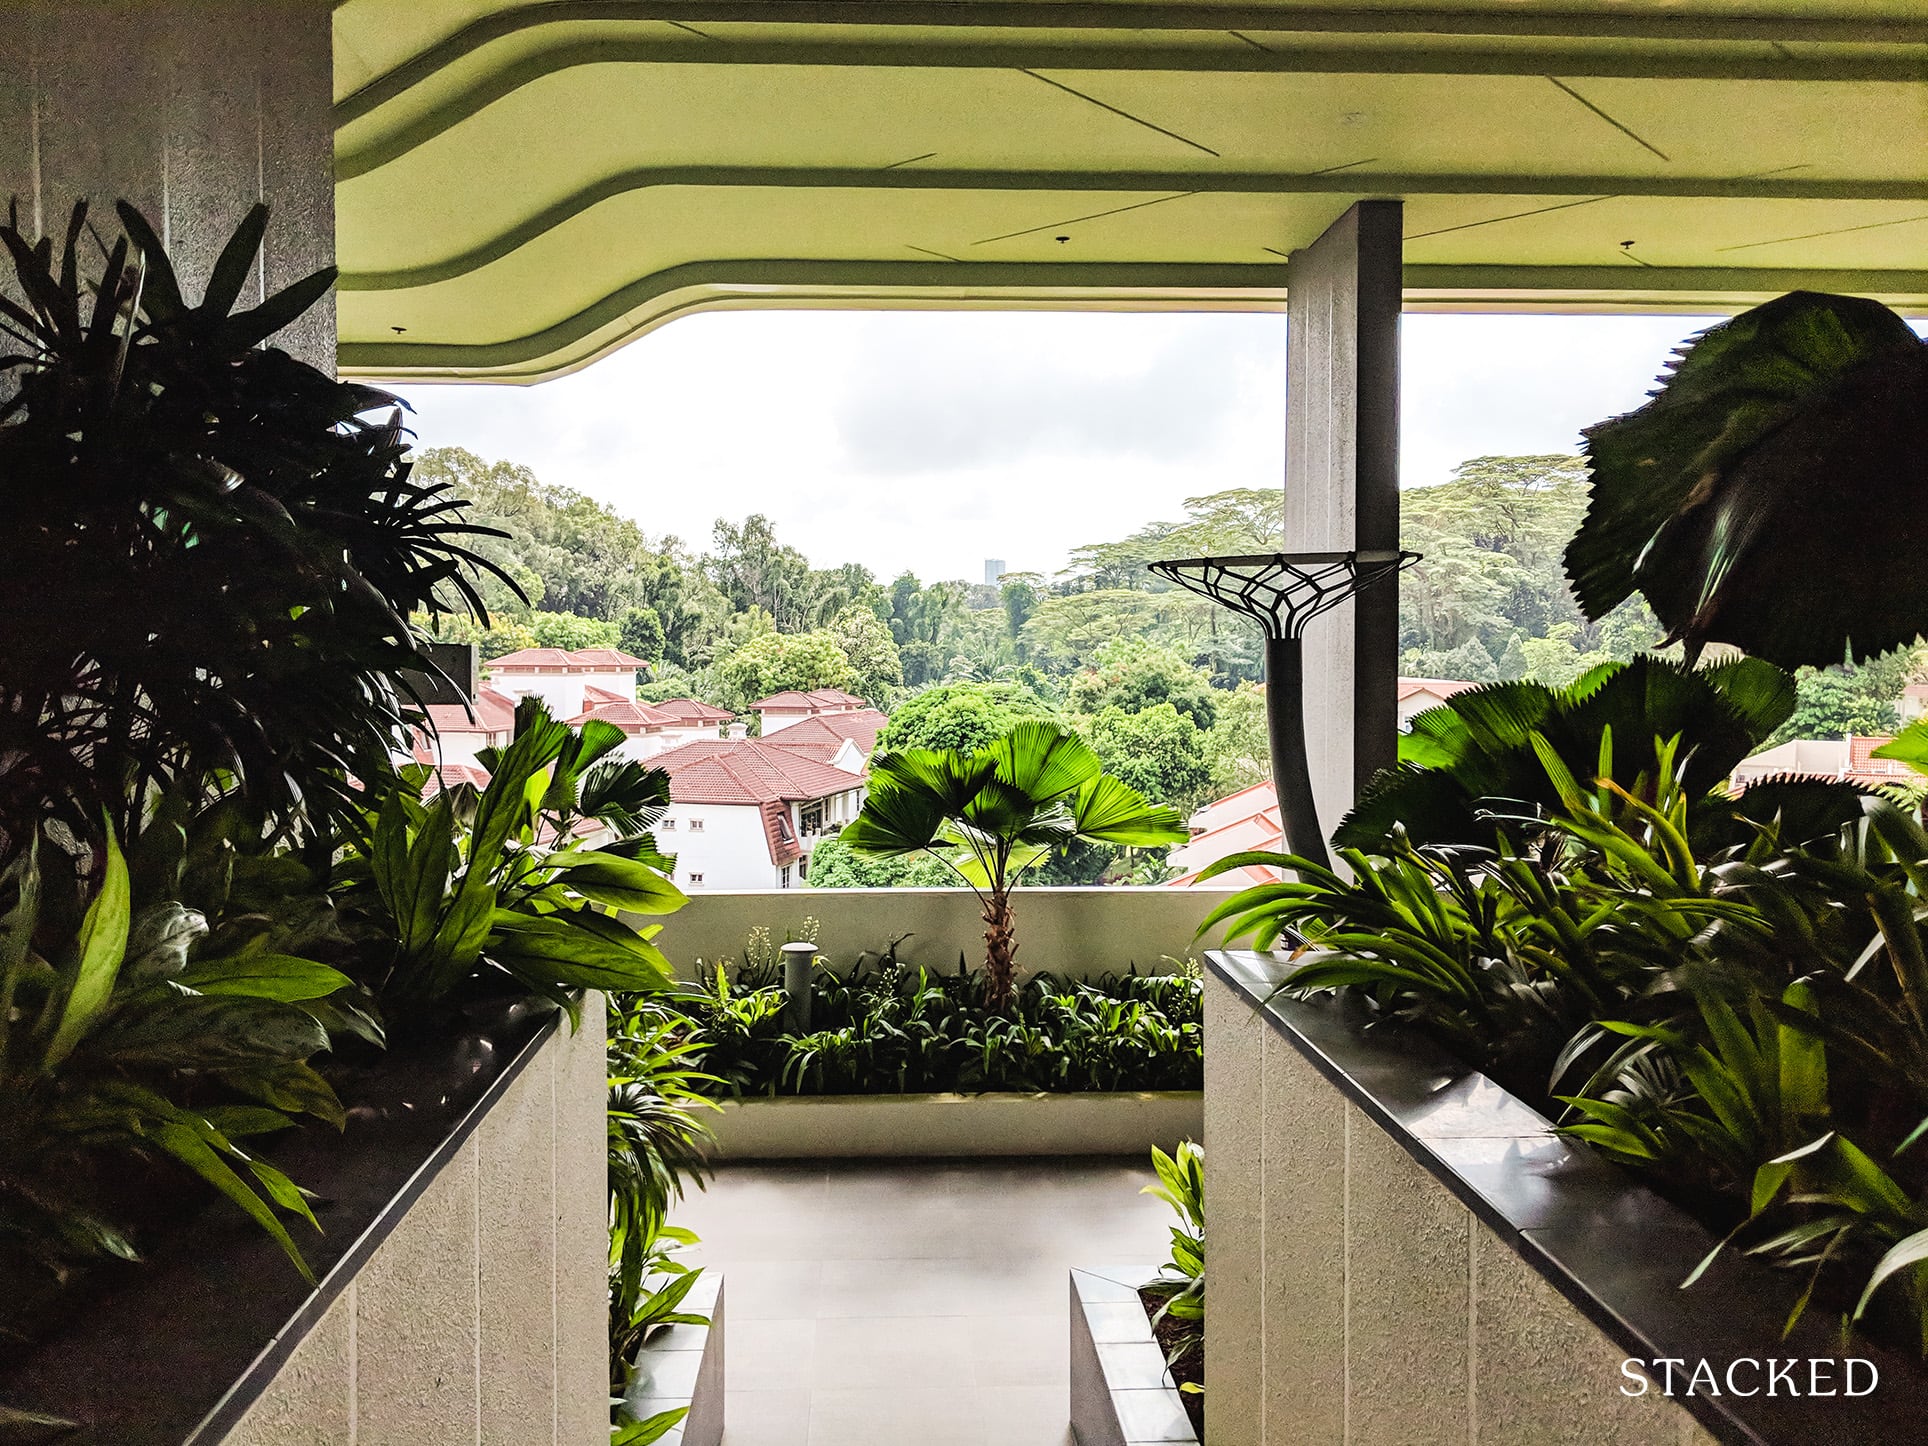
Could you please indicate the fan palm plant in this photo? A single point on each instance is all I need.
(997, 812)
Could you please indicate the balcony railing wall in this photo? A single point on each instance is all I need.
(1079, 932)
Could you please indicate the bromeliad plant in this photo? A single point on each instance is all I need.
(995, 813)
(502, 881)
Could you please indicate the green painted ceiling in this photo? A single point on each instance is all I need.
(522, 187)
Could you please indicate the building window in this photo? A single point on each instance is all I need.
(668, 825)
(696, 878)
(784, 877)
(812, 820)
(696, 825)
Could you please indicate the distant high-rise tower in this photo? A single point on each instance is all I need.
(993, 568)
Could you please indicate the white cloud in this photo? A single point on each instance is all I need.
(932, 440)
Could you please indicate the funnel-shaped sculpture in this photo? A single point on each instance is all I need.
(1283, 592)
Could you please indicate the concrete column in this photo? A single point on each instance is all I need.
(1342, 485)
(193, 110)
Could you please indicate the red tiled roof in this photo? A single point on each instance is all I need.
(747, 771)
(448, 775)
(861, 728)
(628, 715)
(778, 836)
(1864, 767)
(1438, 687)
(494, 713)
(563, 660)
(688, 710)
(792, 701)
(593, 694)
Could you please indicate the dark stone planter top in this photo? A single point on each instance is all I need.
(177, 1349)
(1612, 1247)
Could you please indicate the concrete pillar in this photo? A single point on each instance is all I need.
(1342, 485)
(193, 110)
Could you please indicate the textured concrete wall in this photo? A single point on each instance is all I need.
(481, 1319)
(1354, 1300)
(193, 110)
(1343, 295)
(1080, 932)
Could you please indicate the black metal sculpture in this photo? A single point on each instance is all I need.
(1283, 592)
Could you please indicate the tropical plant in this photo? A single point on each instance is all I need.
(1754, 472)
(1507, 746)
(656, 1138)
(211, 551)
(118, 1042)
(997, 812)
(1180, 1285)
(647, 1289)
(897, 1028)
(501, 879)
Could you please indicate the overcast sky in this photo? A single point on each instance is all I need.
(935, 440)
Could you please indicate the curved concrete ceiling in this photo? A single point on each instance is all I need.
(522, 187)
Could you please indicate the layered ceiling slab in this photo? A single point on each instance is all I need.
(522, 187)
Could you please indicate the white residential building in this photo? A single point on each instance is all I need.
(561, 677)
(745, 813)
(791, 707)
(459, 733)
(654, 728)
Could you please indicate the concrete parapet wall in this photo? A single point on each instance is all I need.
(1355, 1300)
(1080, 932)
(481, 1317)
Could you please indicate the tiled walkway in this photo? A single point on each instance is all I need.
(907, 1303)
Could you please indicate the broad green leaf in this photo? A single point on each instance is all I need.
(1043, 761)
(622, 884)
(265, 976)
(102, 946)
(189, 1146)
(1111, 812)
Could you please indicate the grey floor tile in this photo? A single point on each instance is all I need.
(1031, 1415)
(766, 1418)
(911, 1303)
(897, 1417)
(770, 1355)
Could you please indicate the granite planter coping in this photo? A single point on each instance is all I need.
(1612, 1247)
(683, 1366)
(762, 1127)
(1121, 1393)
(174, 1353)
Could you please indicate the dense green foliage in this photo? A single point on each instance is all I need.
(212, 874)
(1726, 991)
(210, 550)
(896, 1028)
(500, 879)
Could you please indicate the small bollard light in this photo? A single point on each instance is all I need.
(798, 959)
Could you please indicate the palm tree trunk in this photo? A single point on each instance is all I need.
(1000, 947)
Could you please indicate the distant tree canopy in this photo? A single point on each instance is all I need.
(1492, 576)
(961, 716)
(1164, 683)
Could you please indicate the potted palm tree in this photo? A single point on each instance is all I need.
(997, 812)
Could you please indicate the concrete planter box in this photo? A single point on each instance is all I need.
(789, 1127)
(1404, 1252)
(462, 1271)
(683, 1366)
(1121, 1393)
